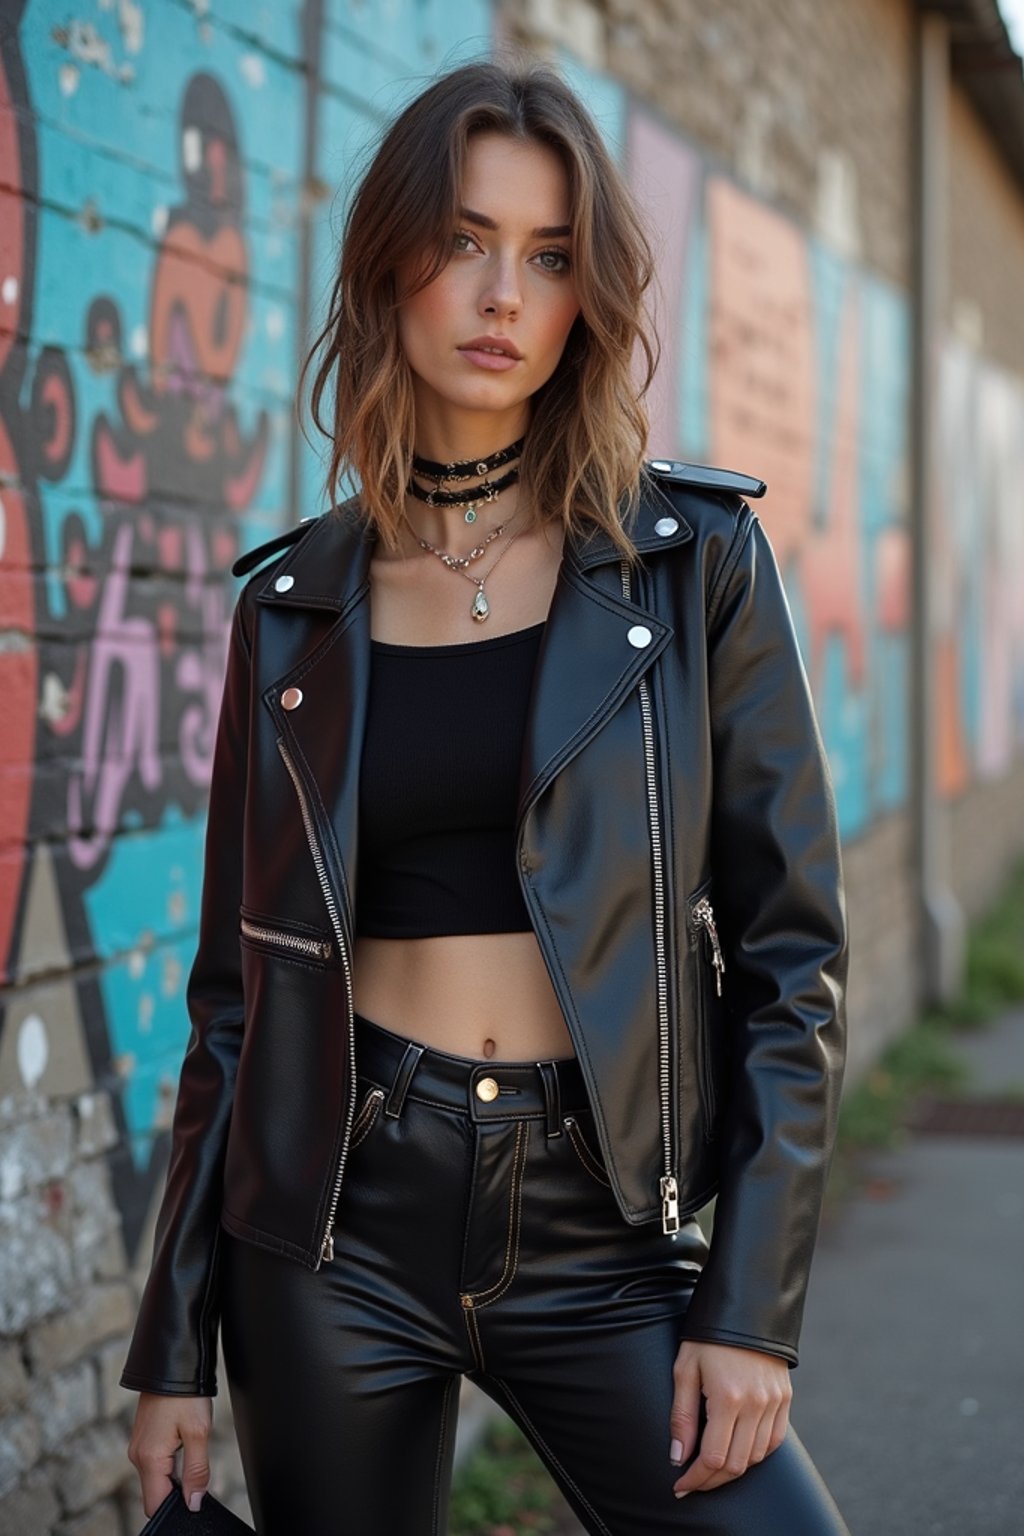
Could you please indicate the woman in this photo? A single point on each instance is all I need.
(541, 934)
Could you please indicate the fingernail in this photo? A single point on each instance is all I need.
(675, 1452)
(195, 1502)
(681, 1493)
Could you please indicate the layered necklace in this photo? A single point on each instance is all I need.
(489, 490)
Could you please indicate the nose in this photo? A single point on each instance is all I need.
(501, 295)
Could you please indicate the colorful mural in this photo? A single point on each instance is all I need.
(978, 537)
(158, 167)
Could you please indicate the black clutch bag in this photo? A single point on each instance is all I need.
(174, 1518)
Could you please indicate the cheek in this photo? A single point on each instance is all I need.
(560, 323)
(432, 306)
(422, 321)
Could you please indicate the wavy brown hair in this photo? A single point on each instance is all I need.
(586, 465)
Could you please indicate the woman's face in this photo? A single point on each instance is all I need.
(510, 277)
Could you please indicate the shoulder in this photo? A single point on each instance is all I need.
(253, 558)
(730, 484)
(714, 503)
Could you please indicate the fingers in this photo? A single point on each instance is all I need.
(195, 1472)
(686, 1409)
(162, 1423)
(747, 1412)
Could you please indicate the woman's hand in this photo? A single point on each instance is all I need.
(162, 1423)
(748, 1394)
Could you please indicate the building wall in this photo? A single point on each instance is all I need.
(168, 223)
(986, 247)
(979, 527)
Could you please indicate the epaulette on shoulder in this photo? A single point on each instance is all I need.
(707, 476)
(254, 557)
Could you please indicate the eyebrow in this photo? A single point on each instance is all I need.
(545, 232)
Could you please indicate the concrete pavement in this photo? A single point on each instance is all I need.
(910, 1390)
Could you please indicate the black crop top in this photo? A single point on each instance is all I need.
(438, 786)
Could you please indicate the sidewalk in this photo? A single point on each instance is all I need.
(909, 1392)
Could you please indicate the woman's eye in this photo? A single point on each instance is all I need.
(461, 234)
(562, 260)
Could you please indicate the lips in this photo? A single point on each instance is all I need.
(492, 344)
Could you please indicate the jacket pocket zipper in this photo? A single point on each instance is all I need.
(668, 1184)
(702, 917)
(316, 949)
(327, 1239)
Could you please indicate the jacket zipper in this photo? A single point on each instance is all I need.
(702, 917)
(317, 949)
(327, 1241)
(668, 1185)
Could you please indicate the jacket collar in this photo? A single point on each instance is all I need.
(329, 565)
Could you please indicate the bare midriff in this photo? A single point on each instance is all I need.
(484, 995)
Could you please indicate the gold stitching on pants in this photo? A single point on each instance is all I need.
(471, 1299)
(514, 1222)
(584, 1153)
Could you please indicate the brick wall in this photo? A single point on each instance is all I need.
(986, 250)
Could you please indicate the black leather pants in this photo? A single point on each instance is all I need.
(477, 1235)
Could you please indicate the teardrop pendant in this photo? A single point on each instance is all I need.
(481, 607)
(470, 515)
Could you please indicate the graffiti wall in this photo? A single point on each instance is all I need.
(163, 169)
(978, 538)
(784, 360)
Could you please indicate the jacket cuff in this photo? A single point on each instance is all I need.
(743, 1341)
(136, 1383)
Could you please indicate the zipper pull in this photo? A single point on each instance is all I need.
(327, 1251)
(669, 1204)
(704, 914)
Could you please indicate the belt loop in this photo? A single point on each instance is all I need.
(552, 1103)
(403, 1077)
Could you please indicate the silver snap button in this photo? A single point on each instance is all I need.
(639, 635)
(291, 698)
(665, 526)
(283, 583)
(663, 464)
(487, 1089)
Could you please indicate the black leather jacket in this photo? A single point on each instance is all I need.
(677, 850)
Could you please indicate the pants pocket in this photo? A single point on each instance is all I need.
(366, 1115)
(582, 1138)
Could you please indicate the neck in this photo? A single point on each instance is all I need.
(447, 433)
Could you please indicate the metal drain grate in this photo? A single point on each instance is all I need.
(968, 1117)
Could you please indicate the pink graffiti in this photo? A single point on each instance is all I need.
(120, 730)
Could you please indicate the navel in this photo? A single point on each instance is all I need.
(488, 1047)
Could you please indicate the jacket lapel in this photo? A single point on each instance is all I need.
(588, 661)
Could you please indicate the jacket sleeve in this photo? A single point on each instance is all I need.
(781, 913)
(174, 1344)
